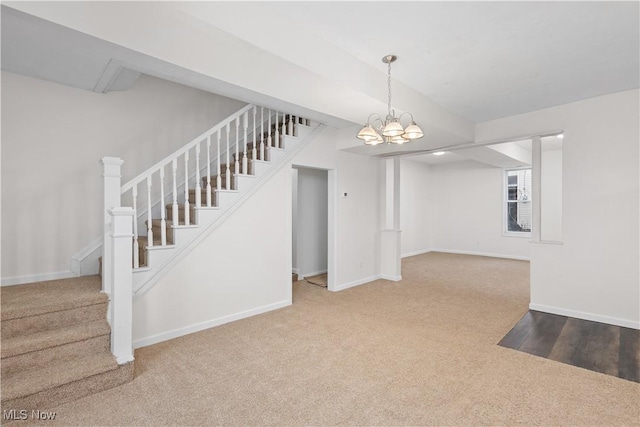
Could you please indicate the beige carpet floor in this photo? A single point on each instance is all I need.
(417, 352)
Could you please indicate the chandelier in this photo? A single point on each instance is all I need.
(389, 130)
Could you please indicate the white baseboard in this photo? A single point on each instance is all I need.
(348, 285)
(19, 280)
(175, 333)
(296, 271)
(392, 278)
(626, 323)
(414, 253)
(313, 273)
(453, 251)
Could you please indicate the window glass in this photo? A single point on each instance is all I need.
(518, 201)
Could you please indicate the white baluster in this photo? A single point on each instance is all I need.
(237, 156)
(245, 124)
(218, 178)
(255, 137)
(277, 139)
(295, 126)
(290, 125)
(136, 246)
(163, 222)
(228, 173)
(174, 207)
(262, 132)
(208, 171)
(269, 141)
(198, 188)
(187, 220)
(149, 217)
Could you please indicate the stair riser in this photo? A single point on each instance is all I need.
(41, 358)
(54, 320)
(72, 391)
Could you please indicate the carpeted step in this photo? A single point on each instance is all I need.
(156, 227)
(63, 382)
(203, 194)
(250, 154)
(56, 343)
(45, 306)
(192, 213)
(142, 250)
(40, 349)
(223, 181)
(232, 167)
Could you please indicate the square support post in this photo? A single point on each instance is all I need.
(111, 177)
(121, 297)
(390, 237)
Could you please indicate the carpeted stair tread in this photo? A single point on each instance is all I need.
(41, 340)
(21, 384)
(55, 295)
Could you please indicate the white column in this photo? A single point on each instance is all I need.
(536, 184)
(390, 244)
(121, 298)
(111, 178)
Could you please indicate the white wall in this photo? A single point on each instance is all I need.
(416, 207)
(551, 194)
(594, 274)
(357, 219)
(52, 139)
(242, 268)
(468, 211)
(312, 222)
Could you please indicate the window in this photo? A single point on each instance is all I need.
(518, 208)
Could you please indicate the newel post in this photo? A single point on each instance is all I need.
(111, 178)
(121, 297)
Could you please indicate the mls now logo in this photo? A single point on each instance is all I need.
(23, 414)
(14, 414)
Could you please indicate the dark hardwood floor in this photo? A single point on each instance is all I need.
(599, 347)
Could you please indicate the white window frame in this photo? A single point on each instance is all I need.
(505, 196)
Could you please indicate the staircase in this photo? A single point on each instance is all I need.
(56, 344)
(184, 197)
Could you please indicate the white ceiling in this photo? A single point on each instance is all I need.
(481, 60)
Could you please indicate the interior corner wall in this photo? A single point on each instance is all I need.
(357, 219)
(416, 207)
(468, 216)
(312, 226)
(595, 273)
(52, 139)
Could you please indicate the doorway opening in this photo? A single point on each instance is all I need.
(312, 222)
